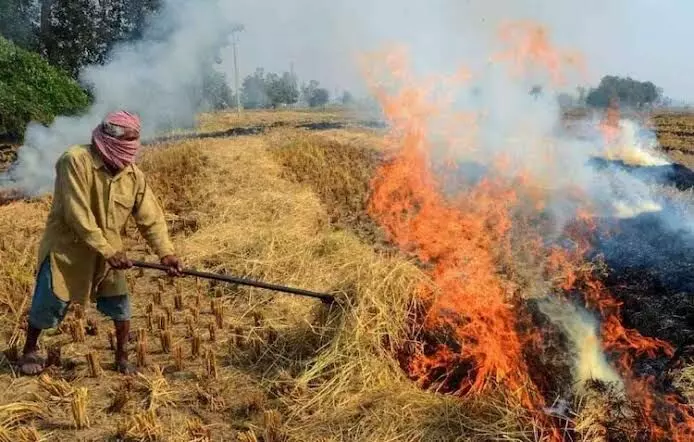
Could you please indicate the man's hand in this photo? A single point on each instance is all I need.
(120, 261)
(174, 265)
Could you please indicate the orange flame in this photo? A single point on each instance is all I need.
(462, 238)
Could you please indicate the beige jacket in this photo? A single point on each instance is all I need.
(89, 213)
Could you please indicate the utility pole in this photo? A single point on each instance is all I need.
(237, 29)
(296, 82)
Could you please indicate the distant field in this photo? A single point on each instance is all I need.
(674, 130)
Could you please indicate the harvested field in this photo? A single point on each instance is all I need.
(284, 368)
(220, 362)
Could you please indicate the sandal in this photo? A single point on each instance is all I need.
(31, 364)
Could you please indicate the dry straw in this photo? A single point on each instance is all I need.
(14, 415)
(58, 390)
(276, 223)
(178, 357)
(219, 316)
(79, 311)
(143, 426)
(95, 369)
(239, 338)
(157, 389)
(195, 312)
(190, 325)
(272, 426)
(213, 332)
(165, 338)
(150, 321)
(195, 344)
(120, 400)
(92, 327)
(198, 431)
(169, 315)
(178, 302)
(141, 348)
(214, 305)
(156, 297)
(211, 364)
(79, 408)
(77, 331)
(163, 322)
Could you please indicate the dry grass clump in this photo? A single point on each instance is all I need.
(341, 359)
(339, 172)
(217, 121)
(141, 427)
(684, 381)
(58, 390)
(13, 418)
(174, 174)
(79, 408)
(158, 392)
(18, 250)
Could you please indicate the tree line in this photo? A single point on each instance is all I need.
(71, 34)
(625, 91)
(44, 44)
(270, 90)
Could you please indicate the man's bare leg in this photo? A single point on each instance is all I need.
(122, 335)
(31, 363)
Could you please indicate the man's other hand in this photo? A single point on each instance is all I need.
(174, 265)
(120, 261)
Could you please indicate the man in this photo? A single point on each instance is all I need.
(97, 188)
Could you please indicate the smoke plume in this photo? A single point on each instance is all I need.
(159, 77)
(589, 362)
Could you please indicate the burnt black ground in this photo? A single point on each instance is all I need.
(651, 270)
(651, 259)
(674, 174)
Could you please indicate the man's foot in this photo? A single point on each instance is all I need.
(31, 364)
(125, 367)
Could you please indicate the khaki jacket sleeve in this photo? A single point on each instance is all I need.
(150, 220)
(72, 182)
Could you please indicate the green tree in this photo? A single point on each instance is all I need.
(320, 97)
(627, 91)
(73, 33)
(281, 90)
(253, 91)
(19, 22)
(216, 93)
(32, 90)
(314, 95)
(308, 90)
(347, 98)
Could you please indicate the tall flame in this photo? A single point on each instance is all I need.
(462, 238)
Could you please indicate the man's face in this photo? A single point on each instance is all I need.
(120, 133)
(129, 134)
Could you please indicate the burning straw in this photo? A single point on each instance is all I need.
(469, 326)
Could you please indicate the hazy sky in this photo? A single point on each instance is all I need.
(646, 39)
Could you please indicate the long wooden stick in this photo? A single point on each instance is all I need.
(328, 299)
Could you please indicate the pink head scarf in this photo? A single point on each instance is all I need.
(115, 151)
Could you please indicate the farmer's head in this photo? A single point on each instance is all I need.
(117, 139)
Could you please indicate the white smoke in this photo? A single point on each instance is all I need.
(589, 362)
(159, 77)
